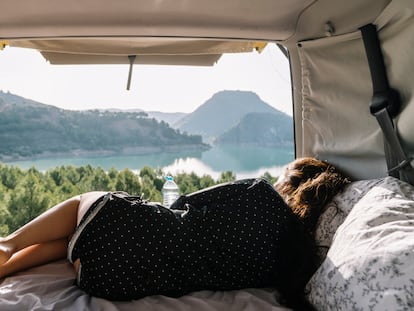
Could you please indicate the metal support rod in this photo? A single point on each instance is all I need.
(131, 64)
(283, 49)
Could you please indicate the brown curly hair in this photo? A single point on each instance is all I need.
(307, 185)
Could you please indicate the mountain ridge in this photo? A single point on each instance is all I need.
(225, 110)
(31, 129)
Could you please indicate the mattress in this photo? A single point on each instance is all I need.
(52, 287)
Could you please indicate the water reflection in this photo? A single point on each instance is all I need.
(189, 165)
(243, 161)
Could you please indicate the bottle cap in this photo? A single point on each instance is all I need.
(168, 177)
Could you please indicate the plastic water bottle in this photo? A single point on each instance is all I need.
(170, 191)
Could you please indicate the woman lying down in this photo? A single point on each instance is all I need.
(243, 234)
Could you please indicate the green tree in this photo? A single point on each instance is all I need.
(147, 171)
(10, 176)
(187, 182)
(61, 181)
(112, 173)
(154, 176)
(85, 172)
(4, 213)
(57, 175)
(66, 190)
(100, 181)
(206, 181)
(72, 174)
(28, 201)
(226, 177)
(149, 191)
(152, 182)
(128, 181)
(269, 178)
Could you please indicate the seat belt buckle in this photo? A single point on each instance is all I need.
(389, 100)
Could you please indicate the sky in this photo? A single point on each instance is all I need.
(26, 73)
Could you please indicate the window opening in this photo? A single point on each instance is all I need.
(166, 93)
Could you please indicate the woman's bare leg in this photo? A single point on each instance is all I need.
(57, 223)
(45, 238)
(34, 255)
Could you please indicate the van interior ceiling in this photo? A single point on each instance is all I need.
(330, 73)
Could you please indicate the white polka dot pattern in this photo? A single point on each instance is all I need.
(228, 238)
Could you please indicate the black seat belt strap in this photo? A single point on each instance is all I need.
(385, 105)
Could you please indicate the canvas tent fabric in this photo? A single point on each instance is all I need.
(106, 31)
(232, 19)
(336, 123)
(161, 32)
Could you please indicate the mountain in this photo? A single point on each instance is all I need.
(258, 128)
(29, 128)
(224, 111)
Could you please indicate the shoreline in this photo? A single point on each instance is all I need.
(127, 151)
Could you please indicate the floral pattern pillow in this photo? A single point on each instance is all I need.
(370, 265)
(336, 211)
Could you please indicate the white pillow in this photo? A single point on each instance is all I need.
(370, 265)
(336, 211)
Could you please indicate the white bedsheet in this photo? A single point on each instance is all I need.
(51, 287)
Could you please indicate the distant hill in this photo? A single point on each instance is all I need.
(258, 128)
(169, 117)
(224, 111)
(29, 128)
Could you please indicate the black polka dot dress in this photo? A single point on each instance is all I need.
(225, 237)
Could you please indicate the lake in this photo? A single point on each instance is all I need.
(243, 161)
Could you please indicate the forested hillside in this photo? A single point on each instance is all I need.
(28, 129)
(24, 194)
